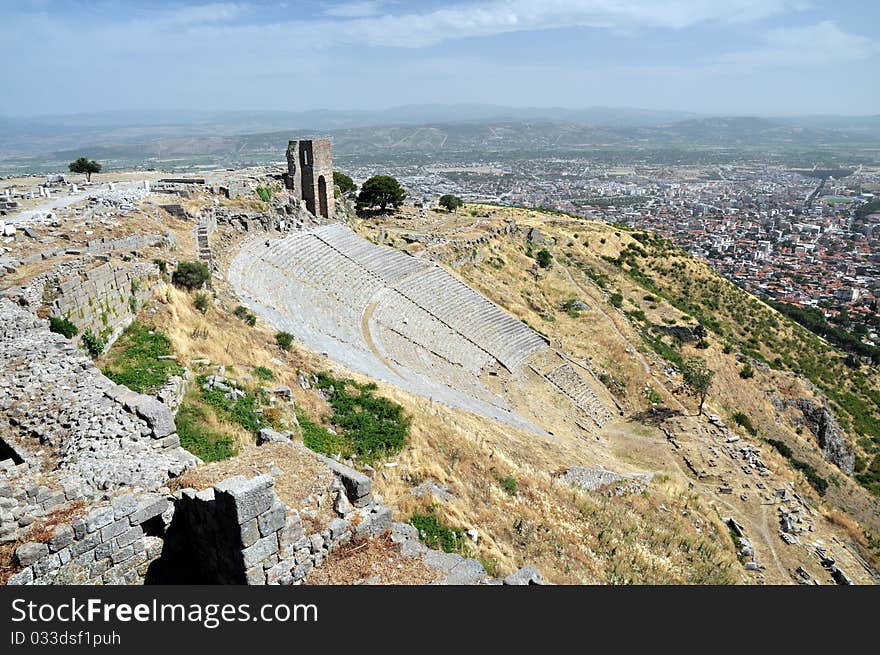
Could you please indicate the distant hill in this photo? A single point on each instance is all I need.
(417, 132)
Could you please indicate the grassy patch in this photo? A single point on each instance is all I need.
(133, 359)
(195, 435)
(241, 410)
(371, 426)
(265, 374)
(435, 534)
(509, 485)
(62, 326)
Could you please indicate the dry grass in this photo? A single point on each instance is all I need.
(372, 561)
(41, 531)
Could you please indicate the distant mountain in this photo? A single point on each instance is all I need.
(737, 130)
(459, 132)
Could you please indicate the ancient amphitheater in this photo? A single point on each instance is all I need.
(400, 319)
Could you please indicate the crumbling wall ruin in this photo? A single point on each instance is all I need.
(106, 299)
(70, 433)
(310, 175)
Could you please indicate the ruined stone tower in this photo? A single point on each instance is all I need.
(310, 174)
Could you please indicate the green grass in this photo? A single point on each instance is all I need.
(132, 361)
(197, 438)
(321, 440)
(439, 536)
(509, 485)
(62, 326)
(371, 427)
(264, 373)
(242, 410)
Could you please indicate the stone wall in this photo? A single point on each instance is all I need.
(106, 299)
(69, 432)
(114, 543)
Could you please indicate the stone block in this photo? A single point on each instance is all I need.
(375, 523)
(250, 532)
(525, 576)
(158, 416)
(468, 572)
(47, 565)
(115, 529)
(62, 537)
(124, 505)
(357, 485)
(442, 561)
(255, 576)
(148, 507)
(129, 536)
(77, 548)
(99, 518)
(122, 554)
(247, 498)
(31, 552)
(260, 550)
(25, 576)
(293, 530)
(273, 519)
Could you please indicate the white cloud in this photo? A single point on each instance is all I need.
(215, 12)
(822, 43)
(355, 9)
(457, 21)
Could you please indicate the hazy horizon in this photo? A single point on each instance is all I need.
(765, 58)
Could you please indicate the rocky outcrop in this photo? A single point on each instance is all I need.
(684, 333)
(832, 441)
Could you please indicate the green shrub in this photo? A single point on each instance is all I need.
(816, 481)
(264, 373)
(63, 326)
(202, 302)
(437, 535)
(241, 410)
(94, 344)
(745, 422)
(371, 427)
(653, 396)
(544, 258)
(245, 315)
(284, 340)
(198, 438)
(191, 275)
(616, 299)
(321, 440)
(509, 485)
(747, 372)
(265, 193)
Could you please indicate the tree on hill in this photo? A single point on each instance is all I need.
(344, 183)
(86, 166)
(191, 275)
(544, 258)
(697, 379)
(380, 191)
(450, 202)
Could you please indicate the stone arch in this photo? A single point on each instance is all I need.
(322, 197)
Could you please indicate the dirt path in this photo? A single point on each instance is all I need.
(368, 337)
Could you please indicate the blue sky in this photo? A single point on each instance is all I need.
(727, 57)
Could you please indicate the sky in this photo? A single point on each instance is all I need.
(721, 57)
